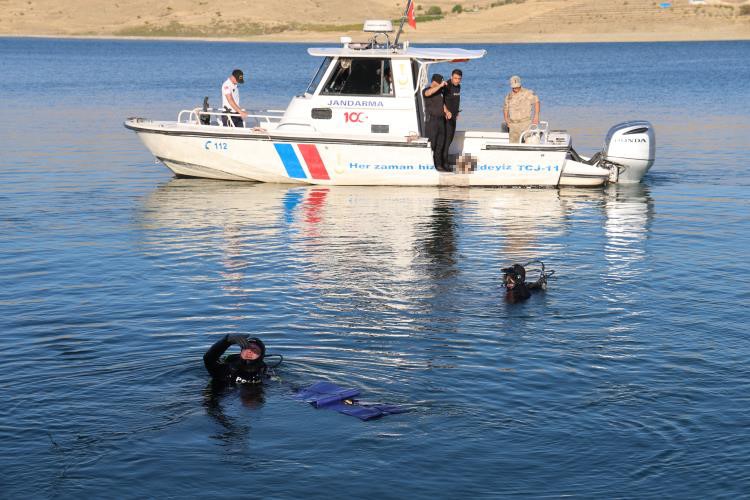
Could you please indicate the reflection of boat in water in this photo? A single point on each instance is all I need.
(351, 226)
(629, 211)
(361, 122)
(384, 213)
(366, 236)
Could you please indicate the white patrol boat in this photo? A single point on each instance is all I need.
(361, 122)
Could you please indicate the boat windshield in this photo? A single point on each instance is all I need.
(318, 76)
(360, 76)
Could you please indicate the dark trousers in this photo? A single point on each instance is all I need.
(450, 131)
(435, 131)
(236, 119)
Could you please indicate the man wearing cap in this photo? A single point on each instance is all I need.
(230, 99)
(521, 109)
(434, 117)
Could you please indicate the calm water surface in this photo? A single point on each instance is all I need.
(628, 378)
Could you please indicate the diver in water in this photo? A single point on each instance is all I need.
(248, 368)
(241, 374)
(517, 288)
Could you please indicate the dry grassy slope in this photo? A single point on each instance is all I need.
(542, 18)
(531, 20)
(102, 17)
(632, 15)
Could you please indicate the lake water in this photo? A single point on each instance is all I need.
(629, 377)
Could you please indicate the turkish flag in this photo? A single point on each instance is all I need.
(410, 15)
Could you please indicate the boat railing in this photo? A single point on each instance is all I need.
(199, 116)
(536, 133)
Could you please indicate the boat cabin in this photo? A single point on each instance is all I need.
(368, 88)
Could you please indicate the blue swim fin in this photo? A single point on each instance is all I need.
(366, 411)
(323, 394)
(332, 397)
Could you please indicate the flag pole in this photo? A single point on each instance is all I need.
(403, 20)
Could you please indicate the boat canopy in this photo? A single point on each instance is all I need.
(427, 54)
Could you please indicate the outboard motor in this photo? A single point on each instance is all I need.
(630, 147)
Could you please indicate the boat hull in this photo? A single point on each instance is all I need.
(245, 155)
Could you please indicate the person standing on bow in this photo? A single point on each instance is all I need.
(520, 110)
(230, 99)
(452, 104)
(434, 116)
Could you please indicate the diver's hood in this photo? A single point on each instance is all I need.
(517, 272)
(259, 343)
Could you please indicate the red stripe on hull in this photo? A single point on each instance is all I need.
(313, 160)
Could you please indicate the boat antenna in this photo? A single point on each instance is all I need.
(403, 20)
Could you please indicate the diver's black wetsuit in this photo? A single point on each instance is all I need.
(234, 370)
(517, 288)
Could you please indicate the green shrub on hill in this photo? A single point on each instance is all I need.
(219, 29)
(500, 3)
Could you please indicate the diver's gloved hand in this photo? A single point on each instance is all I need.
(240, 340)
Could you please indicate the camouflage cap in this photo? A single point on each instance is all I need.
(515, 81)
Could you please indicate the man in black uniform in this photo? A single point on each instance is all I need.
(434, 116)
(452, 103)
(245, 368)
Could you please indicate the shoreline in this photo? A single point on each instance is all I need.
(328, 37)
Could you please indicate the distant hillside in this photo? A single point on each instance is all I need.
(438, 20)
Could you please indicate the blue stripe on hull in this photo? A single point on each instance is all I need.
(290, 161)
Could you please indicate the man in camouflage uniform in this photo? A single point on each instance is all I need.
(518, 108)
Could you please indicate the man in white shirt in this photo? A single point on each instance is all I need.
(230, 99)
